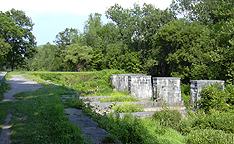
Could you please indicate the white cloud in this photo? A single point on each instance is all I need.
(84, 7)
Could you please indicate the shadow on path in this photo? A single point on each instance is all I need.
(19, 84)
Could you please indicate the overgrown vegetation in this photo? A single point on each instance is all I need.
(93, 83)
(127, 108)
(3, 88)
(119, 98)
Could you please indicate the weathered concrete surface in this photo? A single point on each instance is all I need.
(90, 128)
(120, 81)
(138, 85)
(196, 87)
(167, 89)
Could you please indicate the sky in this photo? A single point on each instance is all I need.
(53, 16)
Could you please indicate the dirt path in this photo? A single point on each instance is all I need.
(18, 84)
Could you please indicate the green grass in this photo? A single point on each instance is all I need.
(119, 98)
(136, 130)
(127, 108)
(40, 117)
(86, 83)
(3, 88)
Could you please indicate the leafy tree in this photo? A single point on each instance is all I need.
(63, 39)
(212, 11)
(4, 49)
(45, 59)
(16, 29)
(79, 56)
(184, 49)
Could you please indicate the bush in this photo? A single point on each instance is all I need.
(127, 107)
(214, 97)
(119, 98)
(209, 136)
(169, 118)
(215, 120)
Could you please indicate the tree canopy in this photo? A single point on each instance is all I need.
(16, 32)
(192, 39)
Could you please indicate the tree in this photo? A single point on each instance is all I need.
(4, 49)
(63, 40)
(79, 56)
(16, 29)
(45, 59)
(185, 50)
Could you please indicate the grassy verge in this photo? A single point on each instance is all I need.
(3, 88)
(39, 117)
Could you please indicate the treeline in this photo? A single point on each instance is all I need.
(191, 39)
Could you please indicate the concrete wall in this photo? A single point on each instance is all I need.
(167, 89)
(120, 81)
(196, 87)
(2, 77)
(140, 87)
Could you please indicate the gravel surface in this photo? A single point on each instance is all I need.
(19, 84)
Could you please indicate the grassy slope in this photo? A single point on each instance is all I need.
(92, 83)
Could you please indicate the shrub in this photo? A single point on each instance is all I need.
(209, 136)
(127, 107)
(213, 97)
(169, 118)
(119, 98)
(215, 120)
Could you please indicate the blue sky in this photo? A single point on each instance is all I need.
(53, 16)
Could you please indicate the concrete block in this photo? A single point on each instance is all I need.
(167, 89)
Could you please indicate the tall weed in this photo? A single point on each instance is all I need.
(167, 117)
(215, 120)
(209, 136)
(127, 108)
(119, 98)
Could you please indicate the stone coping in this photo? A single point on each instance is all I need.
(144, 115)
(95, 98)
(166, 78)
(130, 74)
(204, 81)
(145, 104)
